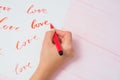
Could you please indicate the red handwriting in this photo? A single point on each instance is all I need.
(34, 24)
(20, 45)
(19, 69)
(3, 19)
(32, 10)
(5, 8)
(7, 27)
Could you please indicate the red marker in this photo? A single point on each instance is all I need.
(57, 42)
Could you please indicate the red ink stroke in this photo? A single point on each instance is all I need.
(3, 19)
(7, 27)
(34, 24)
(21, 44)
(5, 8)
(32, 10)
(21, 68)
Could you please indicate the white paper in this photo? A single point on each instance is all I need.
(21, 34)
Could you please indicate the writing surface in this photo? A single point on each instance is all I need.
(22, 28)
(95, 27)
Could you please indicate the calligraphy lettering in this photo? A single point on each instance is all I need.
(7, 27)
(21, 44)
(34, 24)
(19, 69)
(32, 10)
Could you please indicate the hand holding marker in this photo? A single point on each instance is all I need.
(57, 42)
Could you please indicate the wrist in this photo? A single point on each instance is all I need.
(41, 74)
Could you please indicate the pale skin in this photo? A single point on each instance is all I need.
(50, 60)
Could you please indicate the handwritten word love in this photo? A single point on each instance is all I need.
(5, 8)
(32, 10)
(19, 69)
(20, 45)
(7, 27)
(34, 24)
